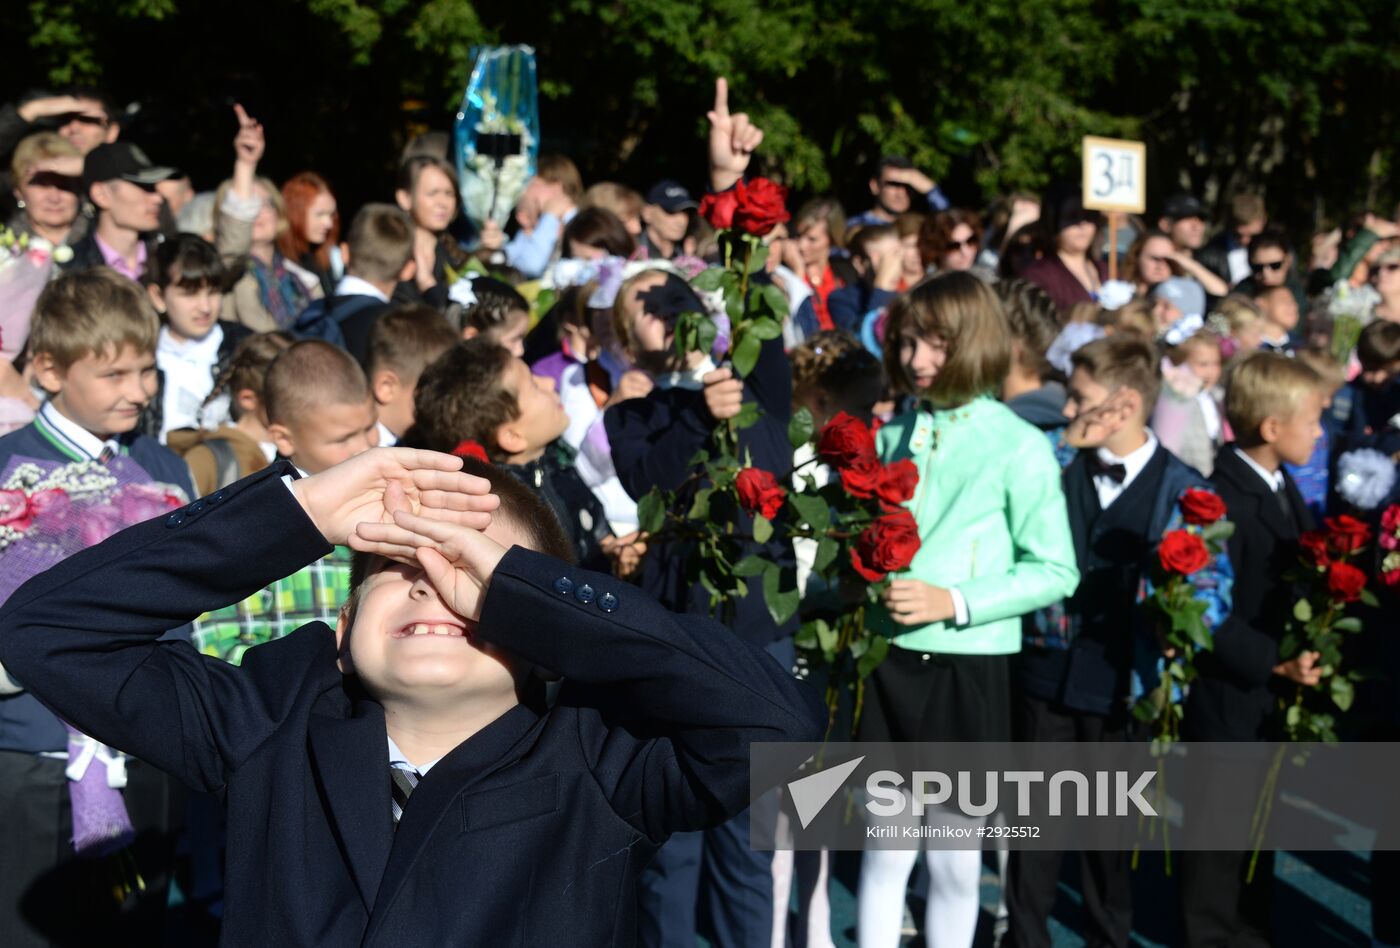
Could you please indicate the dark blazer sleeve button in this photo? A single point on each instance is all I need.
(214, 498)
(563, 585)
(607, 602)
(196, 507)
(584, 594)
(175, 519)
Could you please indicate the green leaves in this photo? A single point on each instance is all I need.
(651, 511)
(811, 510)
(762, 529)
(744, 355)
(779, 591)
(800, 428)
(695, 332)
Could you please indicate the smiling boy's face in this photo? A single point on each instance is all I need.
(405, 645)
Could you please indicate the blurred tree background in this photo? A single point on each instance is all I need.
(1295, 98)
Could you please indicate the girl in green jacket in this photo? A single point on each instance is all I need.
(995, 545)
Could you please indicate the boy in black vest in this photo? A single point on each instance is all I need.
(1076, 670)
(1273, 404)
(400, 781)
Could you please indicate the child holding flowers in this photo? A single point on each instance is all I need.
(1136, 512)
(995, 545)
(1273, 405)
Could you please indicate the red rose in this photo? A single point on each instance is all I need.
(887, 545)
(1345, 582)
(1314, 547)
(1201, 508)
(897, 481)
(862, 479)
(759, 492)
(1390, 527)
(718, 209)
(846, 441)
(1347, 534)
(1183, 552)
(762, 206)
(471, 449)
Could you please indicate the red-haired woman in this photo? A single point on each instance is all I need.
(313, 231)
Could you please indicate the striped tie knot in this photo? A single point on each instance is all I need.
(401, 784)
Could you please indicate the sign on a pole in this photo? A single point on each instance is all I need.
(1114, 175)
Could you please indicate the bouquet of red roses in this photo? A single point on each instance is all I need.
(1332, 583)
(1186, 627)
(860, 532)
(863, 534)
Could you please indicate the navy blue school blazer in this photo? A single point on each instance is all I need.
(531, 832)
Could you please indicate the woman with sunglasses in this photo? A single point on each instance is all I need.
(1270, 265)
(950, 240)
(47, 170)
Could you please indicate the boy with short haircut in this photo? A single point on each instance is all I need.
(1273, 404)
(1083, 660)
(401, 782)
(479, 395)
(92, 344)
(319, 413)
(380, 246)
(403, 342)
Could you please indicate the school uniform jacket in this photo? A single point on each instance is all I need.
(531, 832)
(1233, 698)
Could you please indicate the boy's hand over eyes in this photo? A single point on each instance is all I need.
(370, 487)
(459, 561)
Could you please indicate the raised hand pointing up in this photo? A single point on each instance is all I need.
(733, 140)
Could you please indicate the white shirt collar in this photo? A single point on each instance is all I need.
(204, 350)
(1272, 478)
(1135, 461)
(387, 439)
(74, 435)
(354, 286)
(398, 759)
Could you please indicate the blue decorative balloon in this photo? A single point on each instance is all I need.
(498, 132)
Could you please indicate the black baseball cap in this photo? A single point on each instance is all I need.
(671, 196)
(1181, 206)
(122, 160)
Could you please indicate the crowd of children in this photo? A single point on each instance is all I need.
(1055, 419)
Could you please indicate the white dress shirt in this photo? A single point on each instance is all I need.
(1106, 487)
(189, 377)
(399, 760)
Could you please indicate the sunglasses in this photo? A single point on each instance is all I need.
(953, 246)
(1273, 266)
(84, 119)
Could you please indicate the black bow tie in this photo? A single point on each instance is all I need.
(1099, 468)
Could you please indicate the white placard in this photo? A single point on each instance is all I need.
(1115, 175)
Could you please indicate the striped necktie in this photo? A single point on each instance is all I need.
(401, 784)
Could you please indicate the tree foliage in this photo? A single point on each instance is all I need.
(1294, 98)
